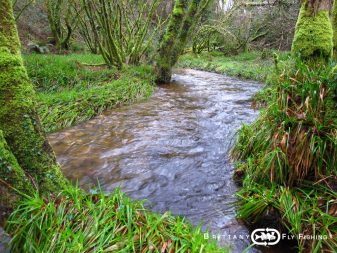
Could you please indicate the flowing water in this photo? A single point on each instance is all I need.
(172, 150)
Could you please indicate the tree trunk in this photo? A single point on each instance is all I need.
(60, 23)
(190, 18)
(334, 24)
(176, 35)
(54, 18)
(11, 176)
(19, 122)
(313, 33)
(164, 59)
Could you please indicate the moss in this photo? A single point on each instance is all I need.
(7, 59)
(175, 37)
(334, 24)
(8, 31)
(178, 11)
(313, 34)
(20, 124)
(168, 41)
(184, 31)
(11, 176)
(18, 118)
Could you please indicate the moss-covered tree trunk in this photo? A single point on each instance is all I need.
(54, 18)
(334, 25)
(190, 17)
(184, 15)
(61, 22)
(24, 137)
(11, 176)
(313, 33)
(164, 59)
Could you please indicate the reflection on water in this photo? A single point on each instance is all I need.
(171, 150)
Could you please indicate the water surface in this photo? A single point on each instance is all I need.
(171, 150)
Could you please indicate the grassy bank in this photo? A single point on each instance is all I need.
(286, 160)
(250, 65)
(73, 221)
(74, 88)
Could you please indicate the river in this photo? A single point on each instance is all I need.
(172, 150)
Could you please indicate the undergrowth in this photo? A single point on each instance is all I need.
(74, 88)
(51, 73)
(287, 158)
(74, 221)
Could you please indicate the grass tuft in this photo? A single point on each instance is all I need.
(74, 221)
(289, 156)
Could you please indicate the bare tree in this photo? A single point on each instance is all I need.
(62, 21)
(122, 30)
(20, 8)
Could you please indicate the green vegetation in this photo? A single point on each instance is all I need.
(334, 24)
(74, 221)
(285, 161)
(174, 40)
(127, 29)
(287, 158)
(164, 69)
(75, 88)
(306, 210)
(71, 89)
(23, 135)
(313, 34)
(250, 65)
(10, 172)
(62, 22)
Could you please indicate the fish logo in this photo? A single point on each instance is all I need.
(265, 236)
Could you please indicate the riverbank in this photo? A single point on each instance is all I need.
(74, 88)
(251, 65)
(74, 221)
(286, 160)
